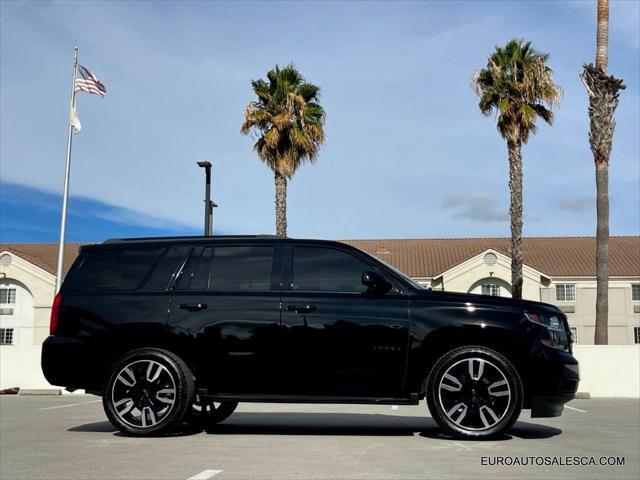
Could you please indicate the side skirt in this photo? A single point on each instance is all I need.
(218, 397)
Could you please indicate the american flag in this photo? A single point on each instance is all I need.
(87, 82)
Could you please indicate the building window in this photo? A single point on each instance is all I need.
(566, 292)
(636, 334)
(7, 296)
(491, 289)
(574, 334)
(6, 336)
(635, 292)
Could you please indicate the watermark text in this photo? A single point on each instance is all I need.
(546, 461)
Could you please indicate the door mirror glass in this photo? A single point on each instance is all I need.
(375, 283)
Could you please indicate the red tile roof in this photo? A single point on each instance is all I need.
(43, 255)
(554, 256)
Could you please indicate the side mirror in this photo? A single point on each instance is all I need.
(375, 282)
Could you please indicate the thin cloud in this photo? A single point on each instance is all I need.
(475, 206)
(576, 204)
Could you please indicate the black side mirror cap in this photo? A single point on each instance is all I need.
(376, 283)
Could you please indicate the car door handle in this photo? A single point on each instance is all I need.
(193, 307)
(301, 308)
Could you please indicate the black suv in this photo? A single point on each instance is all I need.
(175, 329)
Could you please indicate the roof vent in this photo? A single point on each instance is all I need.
(490, 259)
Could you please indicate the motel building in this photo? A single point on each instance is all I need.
(557, 270)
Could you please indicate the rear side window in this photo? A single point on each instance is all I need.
(227, 269)
(166, 269)
(241, 268)
(113, 269)
(195, 274)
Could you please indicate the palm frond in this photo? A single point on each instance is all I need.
(272, 138)
(291, 76)
(544, 113)
(308, 91)
(287, 118)
(518, 84)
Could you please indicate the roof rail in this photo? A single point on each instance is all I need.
(188, 237)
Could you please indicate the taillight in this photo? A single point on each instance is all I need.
(55, 313)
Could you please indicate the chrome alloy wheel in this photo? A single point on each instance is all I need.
(474, 394)
(201, 408)
(143, 393)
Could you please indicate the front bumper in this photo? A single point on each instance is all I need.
(558, 386)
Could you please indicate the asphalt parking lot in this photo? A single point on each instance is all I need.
(68, 437)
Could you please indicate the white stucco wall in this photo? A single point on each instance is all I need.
(40, 285)
(20, 367)
(19, 315)
(609, 370)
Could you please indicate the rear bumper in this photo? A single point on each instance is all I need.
(559, 387)
(66, 362)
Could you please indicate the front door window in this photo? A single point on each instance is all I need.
(327, 270)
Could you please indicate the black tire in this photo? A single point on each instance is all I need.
(474, 393)
(148, 393)
(209, 413)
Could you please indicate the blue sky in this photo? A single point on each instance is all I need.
(407, 152)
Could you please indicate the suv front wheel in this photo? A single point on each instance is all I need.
(149, 392)
(474, 393)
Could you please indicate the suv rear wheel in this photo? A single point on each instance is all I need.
(149, 392)
(209, 413)
(474, 393)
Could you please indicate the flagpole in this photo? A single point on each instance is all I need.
(67, 169)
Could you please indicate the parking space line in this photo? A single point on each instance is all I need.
(69, 405)
(576, 409)
(205, 474)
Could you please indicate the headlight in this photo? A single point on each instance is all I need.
(556, 333)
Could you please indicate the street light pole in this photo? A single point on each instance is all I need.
(208, 204)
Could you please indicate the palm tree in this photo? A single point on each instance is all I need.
(288, 121)
(603, 99)
(518, 85)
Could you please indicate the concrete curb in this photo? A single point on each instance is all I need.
(40, 391)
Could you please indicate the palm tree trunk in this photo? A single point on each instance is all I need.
(281, 204)
(515, 210)
(602, 252)
(601, 336)
(602, 35)
(604, 93)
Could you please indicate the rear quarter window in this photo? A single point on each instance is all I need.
(113, 269)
